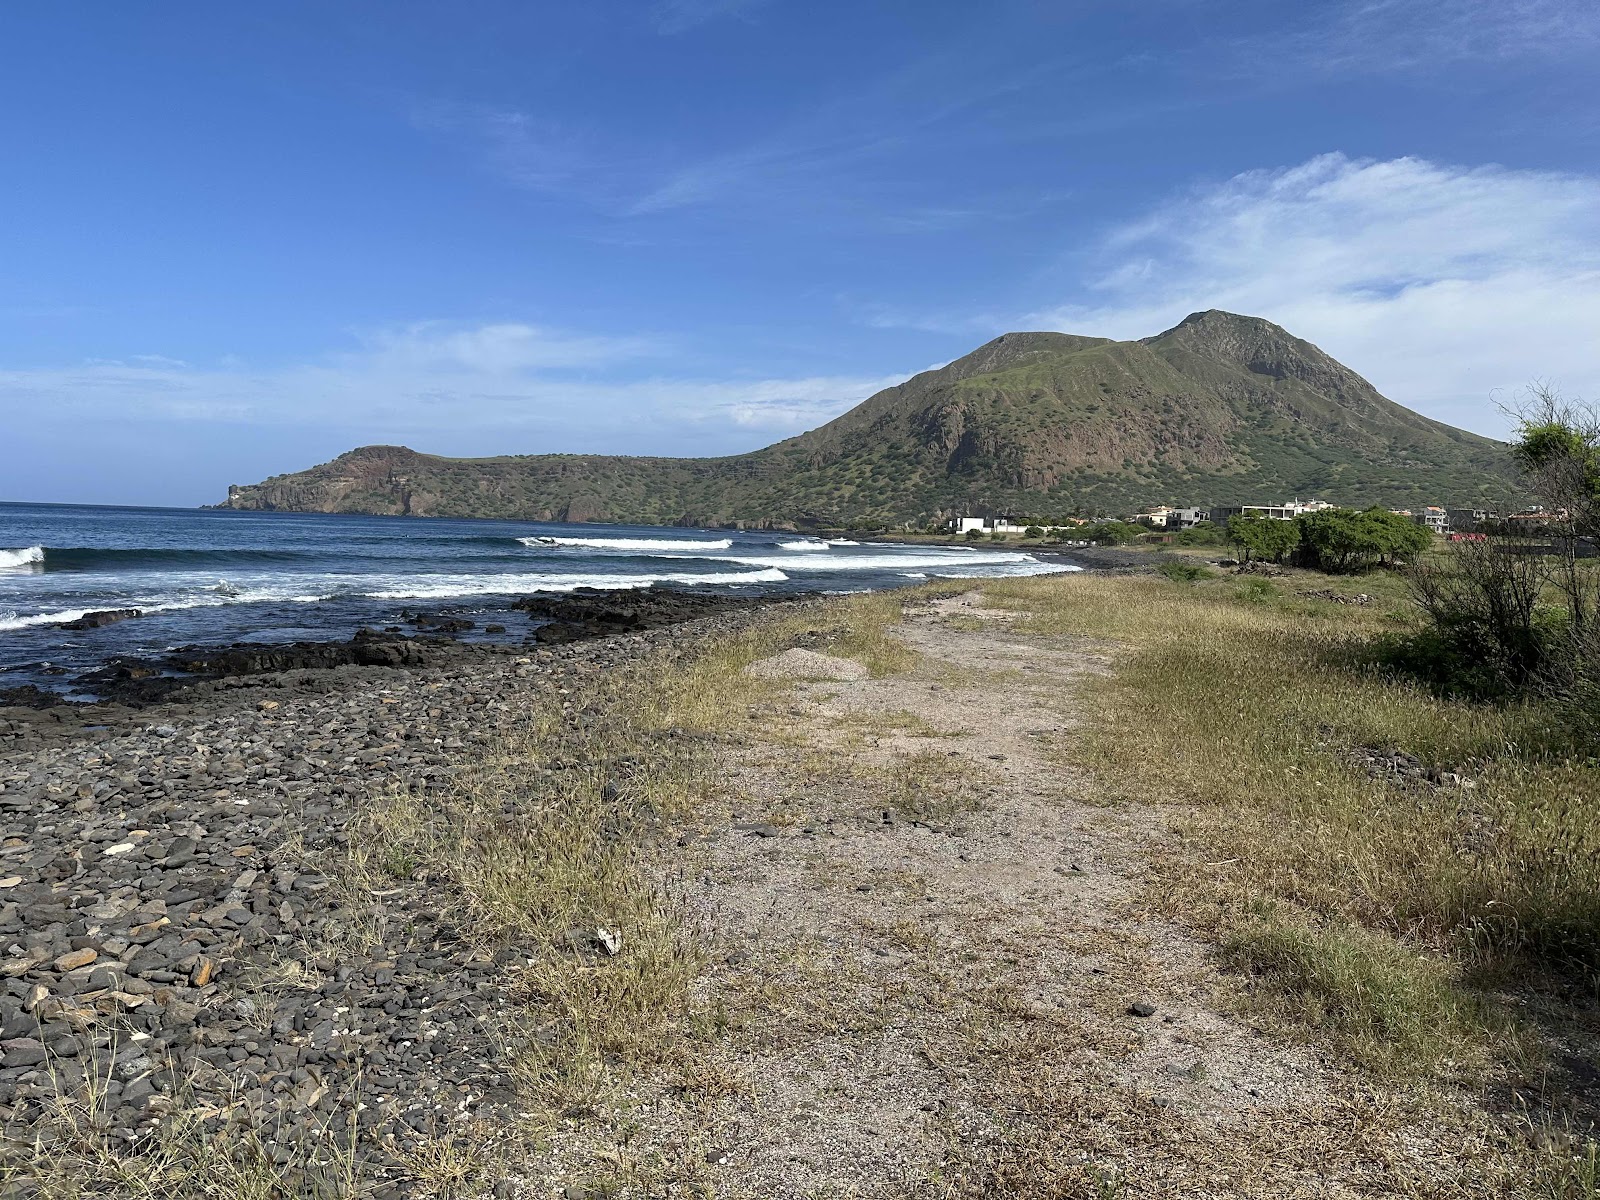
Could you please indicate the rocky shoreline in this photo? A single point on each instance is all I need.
(187, 680)
(170, 890)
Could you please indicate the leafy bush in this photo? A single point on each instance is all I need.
(997, 536)
(1342, 540)
(1111, 533)
(1205, 533)
(1183, 572)
(1258, 591)
(1033, 531)
(1509, 614)
(1486, 636)
(974, 535)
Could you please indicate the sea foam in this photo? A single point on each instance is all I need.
(483, 585)
(911, 561)
(26, 557)
(628, 543)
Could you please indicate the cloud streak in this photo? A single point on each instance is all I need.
(1407, 34)
(506, 379)
(679, 16)
(1446, 286)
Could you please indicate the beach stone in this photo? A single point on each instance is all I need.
(22, 1052)
(194, 840)
(74, 959)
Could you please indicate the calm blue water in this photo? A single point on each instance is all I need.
(209, 577)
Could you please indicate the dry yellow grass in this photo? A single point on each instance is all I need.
(1416, 921)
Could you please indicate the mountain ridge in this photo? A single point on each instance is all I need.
(1221, 408)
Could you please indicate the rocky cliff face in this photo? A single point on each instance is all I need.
(1219, 409)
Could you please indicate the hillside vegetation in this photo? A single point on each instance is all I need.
(1220, 409)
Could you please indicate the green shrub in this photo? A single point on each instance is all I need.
(1184, 572)
(1033, 531)
(1111, 533)
(1203, 534)
(1342, 540)
(1258, 591)
(1487, 636)
(974, 535)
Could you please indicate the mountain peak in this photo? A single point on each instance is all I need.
(1221, 408)
(1218, 326)
(1263, 349)
(1017, 349)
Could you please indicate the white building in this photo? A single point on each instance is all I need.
(1432, 518)
(1289, 511)
(992, 525)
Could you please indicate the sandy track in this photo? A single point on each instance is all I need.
(930, 959)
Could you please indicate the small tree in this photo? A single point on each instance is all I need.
(1262, 537)
(1033, 531)
(1343, 540)
(1559, 453)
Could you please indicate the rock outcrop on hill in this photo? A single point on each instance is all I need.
(1219, 409)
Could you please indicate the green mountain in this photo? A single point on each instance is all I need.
(1220, 409)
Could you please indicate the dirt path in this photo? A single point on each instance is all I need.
(930, 976)
(932, 972)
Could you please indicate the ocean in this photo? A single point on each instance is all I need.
(210, 577)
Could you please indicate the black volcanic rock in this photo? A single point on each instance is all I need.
(576, 616)
(96, 620)
(594, 612)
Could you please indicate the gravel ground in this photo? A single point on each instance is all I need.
(169, 897)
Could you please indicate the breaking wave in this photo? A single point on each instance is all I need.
(806, 545)
(10, 620)
(922, 560)
(437, 587)
(480, 585)
(628, 543)
(26, 557)
(90, 558)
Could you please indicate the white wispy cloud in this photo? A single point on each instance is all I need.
(680, 16)
(506, 346)
(434, 377)
(1448, 287)
(1407, 34)
(1409, 38)
(833, 157)
(533, 152)
(781, 406)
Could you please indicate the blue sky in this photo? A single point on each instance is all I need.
(238, 239)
